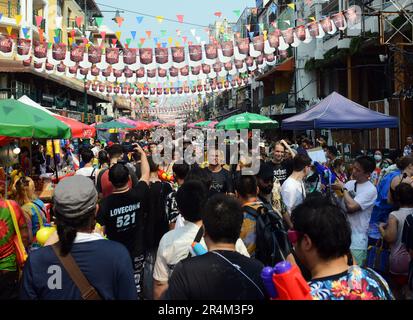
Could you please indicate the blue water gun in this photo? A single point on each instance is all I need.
(327, 176)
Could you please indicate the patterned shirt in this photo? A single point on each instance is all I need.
(355, 284)
(7, 232)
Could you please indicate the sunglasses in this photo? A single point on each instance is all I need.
(294, 235)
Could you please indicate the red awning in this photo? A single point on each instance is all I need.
(285, 66)
(79, 129)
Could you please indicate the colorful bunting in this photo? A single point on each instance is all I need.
(99, 21)
(119, 21)
(184, 38)
(291, 5)
(180, 18)
(142, 40)
(114, 41)
(148, 33)
(39, 20)
(170, 40)
(193, 31)
(155, 40)
(128, 41)
(133, 33)
(164, 44)
(139, 19)
(178, 32)
(103, 35)
(163, 33)
(218, 14)
(25, 32)
(237, 12)
(79, 21)
(1, 16)
(18, 18)
(118, 34)
(198, 39)
(9, 29)
(159, 18)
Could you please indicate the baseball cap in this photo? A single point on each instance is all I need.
(75, 196)
(266, 172)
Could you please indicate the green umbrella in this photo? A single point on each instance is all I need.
(114, 125)
(247, 121)
(202, 124)
(23, 121)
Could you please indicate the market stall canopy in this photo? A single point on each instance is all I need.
(338, 112)
(79, 129)
(247, 121)
(18, 119)
(206, 124)
(113, 125)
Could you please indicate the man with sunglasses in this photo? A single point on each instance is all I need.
(321, 238)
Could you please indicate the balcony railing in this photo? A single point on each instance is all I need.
(9, 8)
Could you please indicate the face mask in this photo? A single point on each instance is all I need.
(377, 157)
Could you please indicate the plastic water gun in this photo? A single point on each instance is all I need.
(285, 282)
(198, 249)
(165, 176)
(44, 233)
(327, 176)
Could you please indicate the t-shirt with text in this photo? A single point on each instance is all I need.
(123, 216)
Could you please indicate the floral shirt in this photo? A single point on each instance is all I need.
(355, 284)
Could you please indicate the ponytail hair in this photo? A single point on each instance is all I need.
(68, 228)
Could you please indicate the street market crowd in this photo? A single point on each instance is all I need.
(121, 226)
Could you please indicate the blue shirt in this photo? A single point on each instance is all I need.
(106, 265)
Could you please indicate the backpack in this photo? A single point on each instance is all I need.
(272, 245)
(93, 176)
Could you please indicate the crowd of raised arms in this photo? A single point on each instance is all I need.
(124, 226)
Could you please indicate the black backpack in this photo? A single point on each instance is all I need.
(272, 244)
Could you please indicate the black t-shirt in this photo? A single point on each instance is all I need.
(282, 170)
(210, 277)
(157, 222)
(123, 215)
(171, 207)
(221, 182)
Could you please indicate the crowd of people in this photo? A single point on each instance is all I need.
(132, 228)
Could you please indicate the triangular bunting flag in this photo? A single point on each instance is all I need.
(79, 21)
(18, 18)
(164, 44)
(39, 20)
(158, 45)
(50, 45)
(85, 41)
(119, 21)
(114, 41)
(159, 18)
(155, 40)
(139, 45)
(72, 33)
(100, 40)
(184, 38)
(148, 33)
(99, 21)
(180, 18)
(139, 19)
(87, 34)
(118, 34)
(291, 5)
(56, 39)
(198, 39)
(193, 31)
(177, 44)
(9, 29)
(142, 40)
(1, 16)
(133, 33)
(218, 14)
(128, 41)
(25, 31)
(163, 33)
(170, 40)
(178, 32)
(103, 35)
(237, 12)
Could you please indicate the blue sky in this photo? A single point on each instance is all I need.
(194, 11)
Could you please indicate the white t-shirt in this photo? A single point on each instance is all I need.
(87, 172)
(174, 247)
(293, 193)
(365, 196)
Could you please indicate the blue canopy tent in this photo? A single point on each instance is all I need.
(338, 112)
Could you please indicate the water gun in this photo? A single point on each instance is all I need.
(44, 233)
(325, 173)
(285, 282)
(198, 249)
(165, 176)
